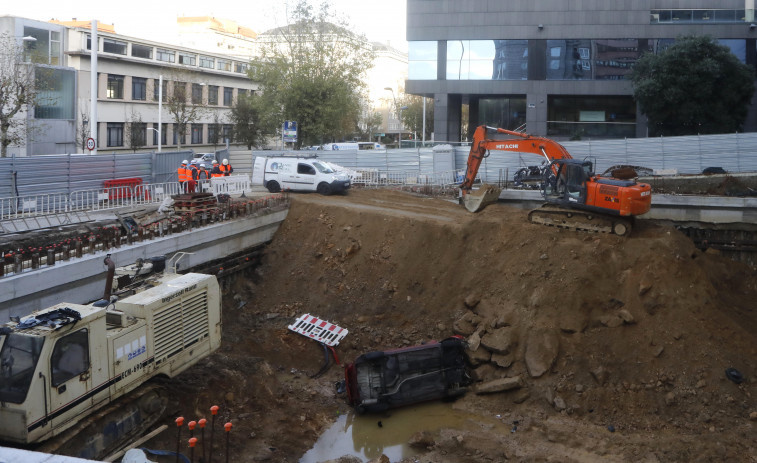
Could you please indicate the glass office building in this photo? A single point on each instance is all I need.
(561, 68)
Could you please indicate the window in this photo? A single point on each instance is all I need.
(306, 169)
(45, 49)
(189, 60)
(115, 90)
(55, 97)
(141, 51)
(138, 135)
(196, 134)
(212, 94)
(213, 132)
(180, 90)
(70, 357)
(176, 138)
(241, 92)
(228, 132)
(19, 355)
(156, 89)
(114, 46)
(207, 62)
(138, 88)
(224, 65)
(115, 134)
(240, 67)
(196, 94)
(163, 133)
(422, 60)
(228, 94)
(165, 55)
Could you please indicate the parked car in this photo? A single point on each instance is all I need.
(380, 380)
(298, 173)
(205, 158)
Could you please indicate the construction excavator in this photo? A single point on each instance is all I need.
(575, 197)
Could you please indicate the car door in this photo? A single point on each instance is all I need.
(302, 178)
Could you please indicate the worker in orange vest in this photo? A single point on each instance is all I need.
(216, 170)
(226, 168)
(193, 176)
(184, 175)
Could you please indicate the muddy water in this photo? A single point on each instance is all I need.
(369, 436)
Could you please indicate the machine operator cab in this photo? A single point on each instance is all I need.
(565, 181)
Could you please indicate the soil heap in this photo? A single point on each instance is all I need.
(615, 349)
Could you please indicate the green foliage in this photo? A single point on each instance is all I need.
(247, 116)
(694, 87)
(311, 71)
(412, 117)
(18, 92)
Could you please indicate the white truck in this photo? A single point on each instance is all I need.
(298, 173)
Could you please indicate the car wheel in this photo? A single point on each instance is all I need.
(324, 189)
(273, 186)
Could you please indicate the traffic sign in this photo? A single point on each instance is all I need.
(90, 144)
(289, 134)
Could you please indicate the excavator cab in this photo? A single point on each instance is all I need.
(565, 181)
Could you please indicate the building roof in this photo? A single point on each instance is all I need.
(227, 26)
(101, 27)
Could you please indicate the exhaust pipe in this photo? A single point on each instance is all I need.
(111, 273)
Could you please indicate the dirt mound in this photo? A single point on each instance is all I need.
(628, 334)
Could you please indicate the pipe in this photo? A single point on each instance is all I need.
(109, 279)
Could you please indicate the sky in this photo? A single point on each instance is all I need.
(380, 21)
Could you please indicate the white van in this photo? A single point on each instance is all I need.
(298, 173)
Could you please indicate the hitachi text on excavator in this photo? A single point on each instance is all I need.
(575, 197)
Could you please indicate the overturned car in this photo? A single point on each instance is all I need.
(380, 380)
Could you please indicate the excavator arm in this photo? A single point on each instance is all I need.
(475, 200)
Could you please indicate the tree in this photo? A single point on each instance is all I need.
(247, 117)
(18, 92)
(136, 131)
(182, 110)
(369, 123)
(696, 86)
(82, 131)
(311, 71)
(214, 130)
(412, 117)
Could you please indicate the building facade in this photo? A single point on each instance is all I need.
(559, 68)
(128, 101)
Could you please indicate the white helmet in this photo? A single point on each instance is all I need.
(225, 162)
(184, 161)
(194, 161)
(215, 162)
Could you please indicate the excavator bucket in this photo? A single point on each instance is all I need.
(478, 199)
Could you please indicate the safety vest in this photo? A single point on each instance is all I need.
(202, 174)
(225, 169)
(215, 172)
(184, 173)
(193, 172)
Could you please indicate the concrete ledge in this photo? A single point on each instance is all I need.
(82, 280)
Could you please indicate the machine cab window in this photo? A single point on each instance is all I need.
(70, 357)
(18, 360)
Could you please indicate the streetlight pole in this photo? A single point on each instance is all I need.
(400, 141)
(160, 111)
(93, 85)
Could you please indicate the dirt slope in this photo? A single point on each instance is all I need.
(634, 333)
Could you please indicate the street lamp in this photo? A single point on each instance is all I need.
(401, 109)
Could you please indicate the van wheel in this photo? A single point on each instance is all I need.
(324, 189)
(273, 186)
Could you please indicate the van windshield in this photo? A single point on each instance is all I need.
(323, 168)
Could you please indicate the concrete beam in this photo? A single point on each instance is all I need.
(81, 280)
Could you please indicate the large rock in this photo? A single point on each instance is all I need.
(478, 356)
(500, 385)
(467, 324)
(542, 348)
(500, 341)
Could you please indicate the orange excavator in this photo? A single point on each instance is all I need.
(575, 197)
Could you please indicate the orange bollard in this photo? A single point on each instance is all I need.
(202, 422)
(192, 443)
(179, 423)
(227, 428)
(214, 412)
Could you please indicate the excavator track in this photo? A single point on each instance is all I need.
(578, 220)
(112, 427)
